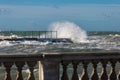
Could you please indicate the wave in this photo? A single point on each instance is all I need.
(69, 30)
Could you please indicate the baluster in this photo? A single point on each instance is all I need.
(85, 73)
(95, 74)
(19, 66)
(64, 75)
(75, 74)
(104, 72)
(31, 65)
(119, 70)
(119, 76)
(7, 66)
(113, 75)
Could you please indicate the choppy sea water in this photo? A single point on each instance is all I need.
(96, 41)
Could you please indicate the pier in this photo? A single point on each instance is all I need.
(59, 66)
(41, 36)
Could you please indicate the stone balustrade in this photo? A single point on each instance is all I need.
(19, 61)
(65, 66)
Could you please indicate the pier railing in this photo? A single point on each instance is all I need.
(29, 34)
(65, 66)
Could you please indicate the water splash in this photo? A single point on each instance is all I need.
(69, 30)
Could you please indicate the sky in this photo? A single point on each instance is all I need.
(91, 15)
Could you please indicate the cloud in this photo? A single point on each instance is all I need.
(106, 15)
(5, 11)
(56, 7)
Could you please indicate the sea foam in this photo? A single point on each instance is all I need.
(69, 30)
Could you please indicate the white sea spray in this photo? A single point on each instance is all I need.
(69, 30)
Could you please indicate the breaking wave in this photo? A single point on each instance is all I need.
(69, 30)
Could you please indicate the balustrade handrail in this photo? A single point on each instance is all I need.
(82, 55)
(20, 57)
(63, 55)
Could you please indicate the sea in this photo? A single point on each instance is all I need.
(71, 38)
(95, 41)
(59, 37)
